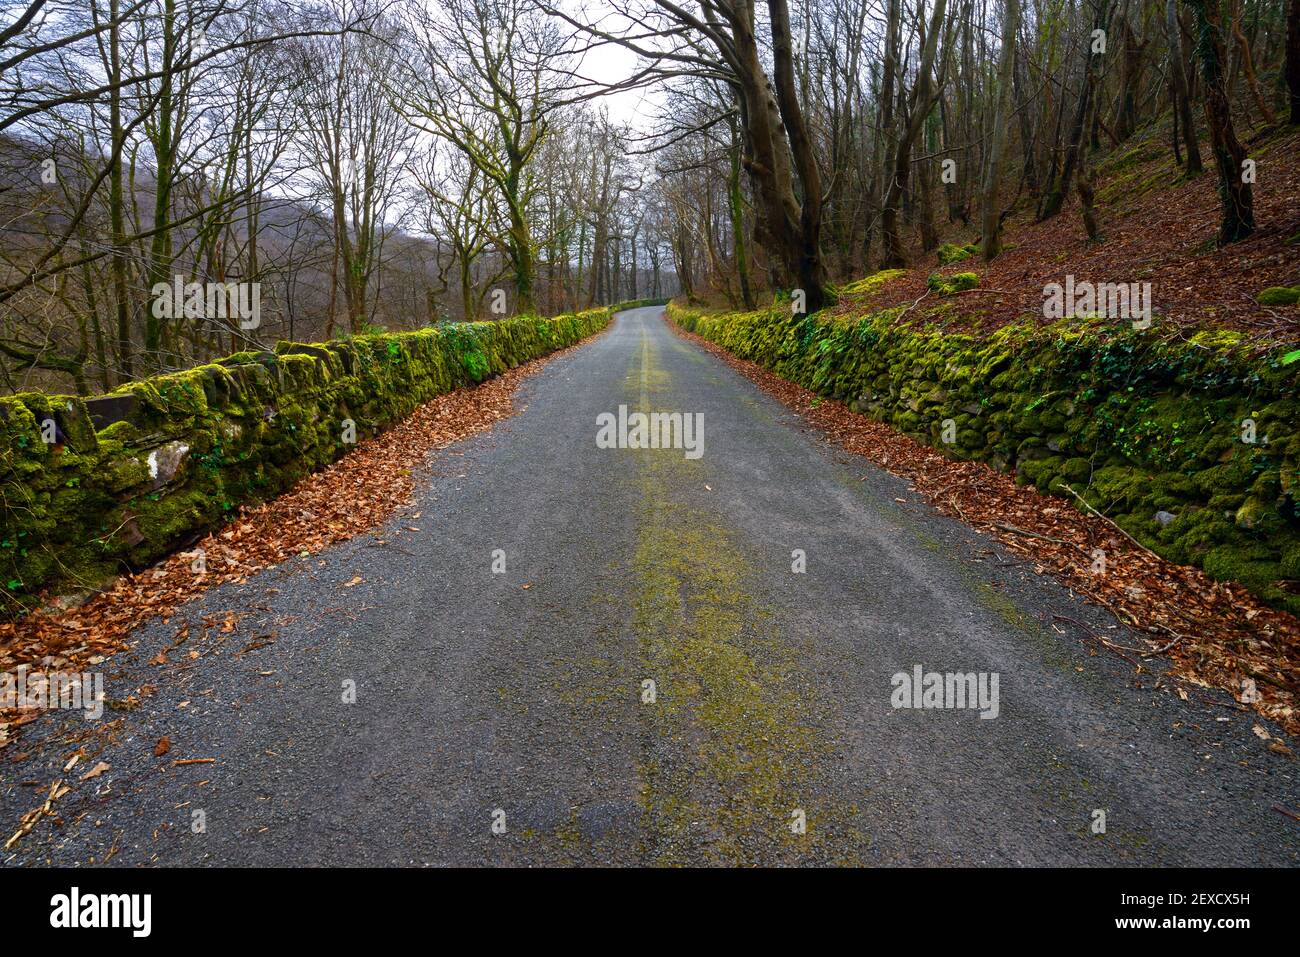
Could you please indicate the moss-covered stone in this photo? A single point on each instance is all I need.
(176, 454)
(949, 253)
(870, 284)
(957, 282)
(1279, 296)
(1203, 430)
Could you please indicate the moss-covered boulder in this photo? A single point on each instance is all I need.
(957, 282)
(949, 253)
(1279, 296)
(870, 284)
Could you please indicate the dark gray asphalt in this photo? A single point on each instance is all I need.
(476, 695)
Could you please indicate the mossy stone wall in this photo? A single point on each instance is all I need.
(637, 304)
(1154, 434)
(136, 474)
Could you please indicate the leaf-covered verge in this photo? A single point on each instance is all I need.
(1179, 627)
(1191, 446)
(1158, 227)
(150, 468)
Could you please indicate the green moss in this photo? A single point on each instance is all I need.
(957, 282)
(726, 680)
(252, 425)
(1232, 563)
(1135, 423)
(871, 284)
(1279, 296)
(949, 253)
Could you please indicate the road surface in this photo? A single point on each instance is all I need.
(504, 717)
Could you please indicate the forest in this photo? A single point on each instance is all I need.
(390, 164)
(653, 433)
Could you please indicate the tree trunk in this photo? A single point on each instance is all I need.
(115, 200)
(1129, 81)
(1026, 130)
(990, 220)
(1086, 207)
(1248, 67)
(923, 97)
(1234, 192)
(925, 189)
(1055, 198)
(631, 275)
(681, 247)
(469, 307)
(160, 253)
(737, 209)
(1293, 59)
(803, 249)
(521, 252)
(1183, 104)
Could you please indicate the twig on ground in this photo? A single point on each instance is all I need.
(1084, 503)
(912, 306)
(1047, 538)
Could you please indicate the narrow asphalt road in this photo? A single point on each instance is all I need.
(504, 716)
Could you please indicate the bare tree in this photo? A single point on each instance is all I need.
(482, 76)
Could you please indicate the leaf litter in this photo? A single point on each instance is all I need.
(351, 496)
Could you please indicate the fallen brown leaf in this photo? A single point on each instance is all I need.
(351, 496)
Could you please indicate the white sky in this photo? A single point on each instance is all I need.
(635, 107)
(611, 63)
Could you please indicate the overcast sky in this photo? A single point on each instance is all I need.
(612, 63)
